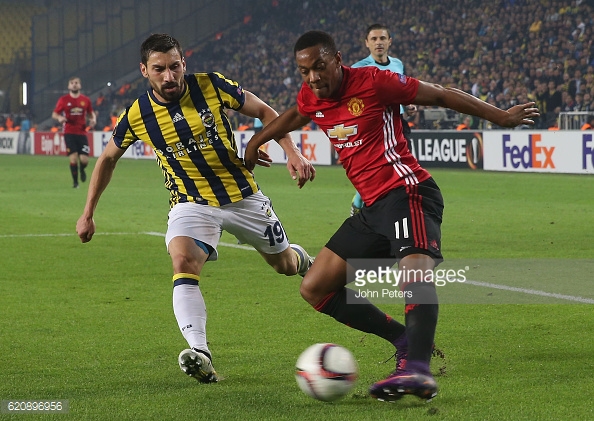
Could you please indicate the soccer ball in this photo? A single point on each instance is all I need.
(326, 371)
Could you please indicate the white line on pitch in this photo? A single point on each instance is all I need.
(230, 245)
(158, 234)
(244, 247)
(63, 235)
(531, 292)
(475, 283)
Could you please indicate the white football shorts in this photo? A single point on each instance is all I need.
(251, 220)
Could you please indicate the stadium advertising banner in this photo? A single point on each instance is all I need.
(52, 143)
(448, 149)
(9, 142)
(314, 146)
(495, 150)
(539, 151)
(138, 150)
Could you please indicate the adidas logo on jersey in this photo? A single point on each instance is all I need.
(319, 114)
(178, 117)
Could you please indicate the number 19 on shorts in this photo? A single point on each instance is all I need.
(275, 233)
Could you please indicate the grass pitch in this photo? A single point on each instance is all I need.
(93, 324)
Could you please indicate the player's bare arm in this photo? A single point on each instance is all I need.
(297, 165)
(85, 226)
(287, 122)
(93, 119)
(455, 99)
(256, 108)
(251, 108)
(58, 117)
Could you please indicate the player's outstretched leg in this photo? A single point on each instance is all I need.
(197, 364)
(304, 260)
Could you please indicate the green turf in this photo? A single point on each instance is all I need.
(94, 324)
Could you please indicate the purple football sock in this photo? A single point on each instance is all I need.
(417, 366)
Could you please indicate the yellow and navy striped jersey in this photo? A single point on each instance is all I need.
(193, 140)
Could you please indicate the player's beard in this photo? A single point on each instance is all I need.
(168, 94)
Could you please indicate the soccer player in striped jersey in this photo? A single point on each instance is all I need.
(182, 117)
(357, 108)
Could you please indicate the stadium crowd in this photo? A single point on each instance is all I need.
(504, 52)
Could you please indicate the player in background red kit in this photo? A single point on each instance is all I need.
(72, 111)
(358, 109)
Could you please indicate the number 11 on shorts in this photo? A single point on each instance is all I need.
(397, 228)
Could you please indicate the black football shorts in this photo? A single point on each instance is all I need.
(76, 143)
(405, 221)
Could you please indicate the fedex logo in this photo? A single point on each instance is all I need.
(308, 149)
(532, 155)
(587, 150)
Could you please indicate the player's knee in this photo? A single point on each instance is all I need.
(184, 262)
(310, 291)
(307, 295)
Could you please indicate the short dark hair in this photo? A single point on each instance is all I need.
(160, 43)
(313, 38)
(377, 27)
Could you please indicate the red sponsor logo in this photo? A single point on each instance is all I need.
(50, 143)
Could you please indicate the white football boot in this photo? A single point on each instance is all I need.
(197, 364)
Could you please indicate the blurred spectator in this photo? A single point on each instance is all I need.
(589, 125)
(233, 119)
(465, 125)
(245, 126)
(553, 103)
(9, 123)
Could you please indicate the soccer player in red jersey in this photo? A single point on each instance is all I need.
(72, 111)
(358, 109)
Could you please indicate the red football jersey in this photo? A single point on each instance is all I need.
(363, 124)
(75, 110)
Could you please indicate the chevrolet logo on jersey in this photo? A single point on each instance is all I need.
(342, 133)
